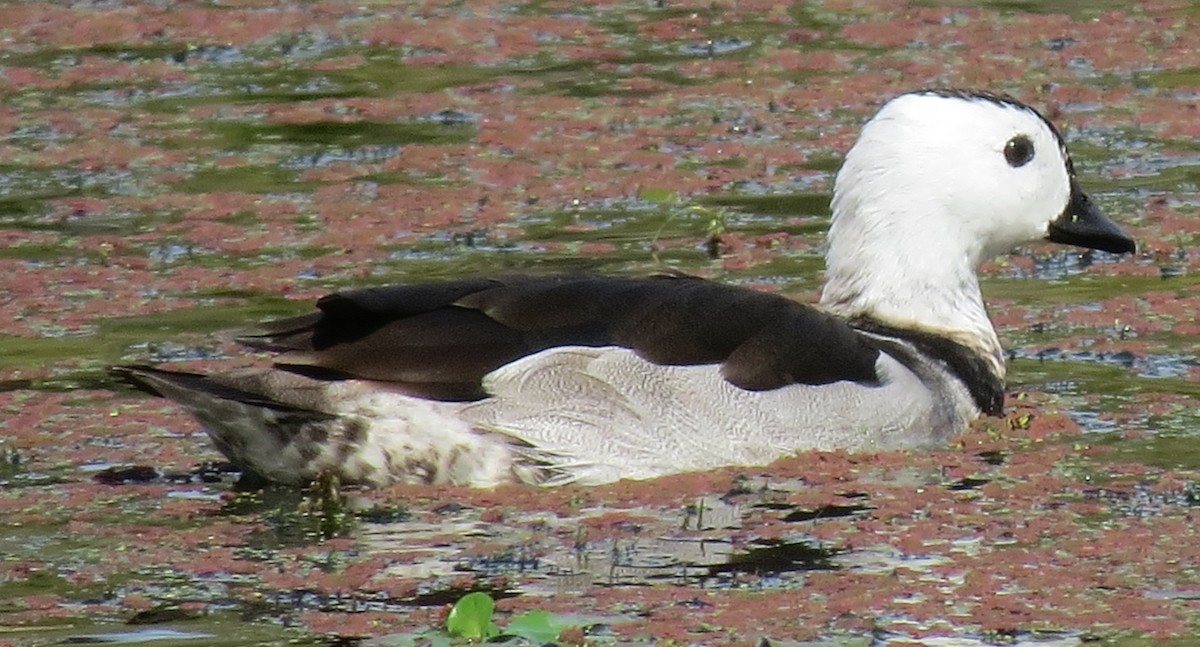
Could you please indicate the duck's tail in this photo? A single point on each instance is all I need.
(290, 428)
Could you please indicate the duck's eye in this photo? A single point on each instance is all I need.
(1018, 151)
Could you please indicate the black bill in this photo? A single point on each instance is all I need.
(1082, 224)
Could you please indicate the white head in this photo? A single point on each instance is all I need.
(938, 182)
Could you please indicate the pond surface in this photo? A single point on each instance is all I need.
(171, 172)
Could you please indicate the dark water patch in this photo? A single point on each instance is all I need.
(383, 514)
(831, 511)
(796, 204)
(995, 458)
(772, 557)
(967, 483)
(208, 473)
(769, 505)
(162, 614)
(126, 475)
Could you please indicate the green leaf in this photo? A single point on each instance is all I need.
(540, 627)
(471, 617)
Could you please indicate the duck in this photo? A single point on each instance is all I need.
(582, 379)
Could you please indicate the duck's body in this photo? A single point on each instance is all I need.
(479, 382)
(589, 380)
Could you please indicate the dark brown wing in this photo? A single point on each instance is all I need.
(439, 340)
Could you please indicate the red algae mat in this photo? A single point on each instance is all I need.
(172, 171)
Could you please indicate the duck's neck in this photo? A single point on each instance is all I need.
(912, 288)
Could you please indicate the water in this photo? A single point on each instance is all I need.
(170, 174)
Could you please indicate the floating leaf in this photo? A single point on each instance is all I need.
(471, 617)
(540, 627)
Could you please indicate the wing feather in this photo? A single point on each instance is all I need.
(439, 340)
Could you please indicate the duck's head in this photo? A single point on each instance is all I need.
(966, 174)
(938, 182)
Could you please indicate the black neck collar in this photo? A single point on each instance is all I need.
(971, 368)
